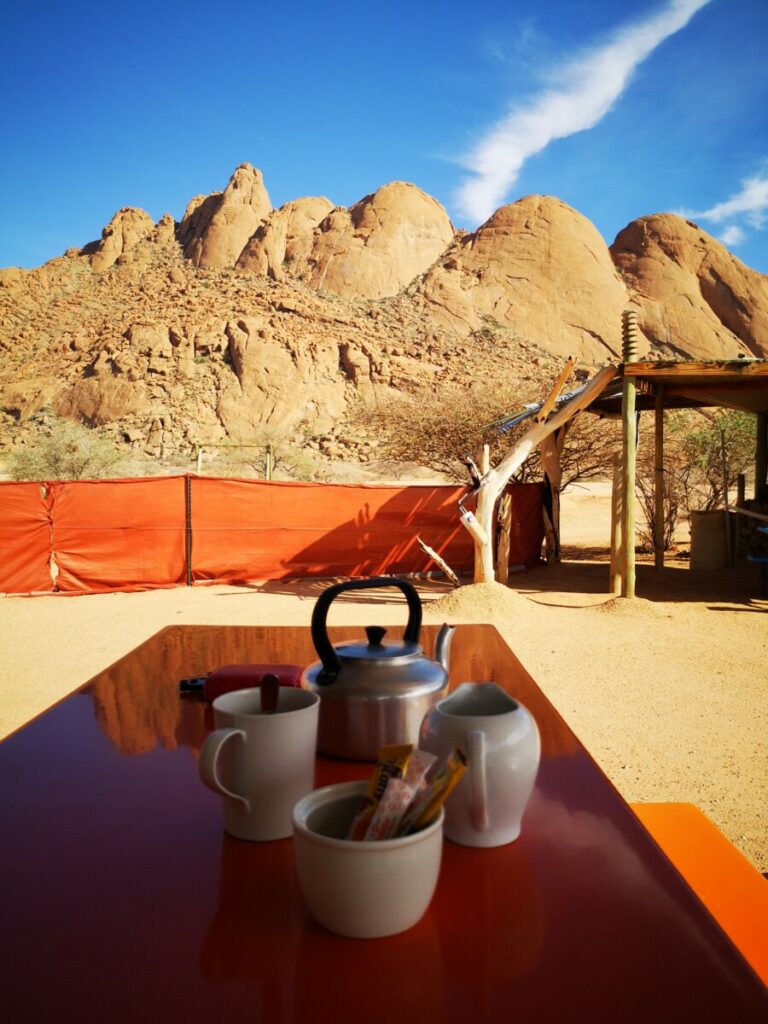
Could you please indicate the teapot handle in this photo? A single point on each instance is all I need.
(323, 645)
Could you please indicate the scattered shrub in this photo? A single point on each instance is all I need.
(72, 451)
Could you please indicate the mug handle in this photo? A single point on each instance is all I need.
(208, 765)
(478, 807)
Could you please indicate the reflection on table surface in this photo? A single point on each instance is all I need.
(124, 900)
(137, 700)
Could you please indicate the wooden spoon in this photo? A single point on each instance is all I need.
(269, 686)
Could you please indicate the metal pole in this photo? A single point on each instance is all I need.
(629, 461)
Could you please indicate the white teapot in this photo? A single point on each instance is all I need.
(501, 741)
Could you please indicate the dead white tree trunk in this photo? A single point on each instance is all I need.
(480, 524)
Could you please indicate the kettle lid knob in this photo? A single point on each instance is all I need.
(375, 635)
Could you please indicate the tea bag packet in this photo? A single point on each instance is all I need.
(399, 795)
(390, 810)
(392, 763)
(422, 811)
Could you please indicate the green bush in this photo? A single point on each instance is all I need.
(694, 444)
(72, 451)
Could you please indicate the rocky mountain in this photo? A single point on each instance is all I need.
(241, 317)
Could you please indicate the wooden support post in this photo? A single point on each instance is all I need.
(741, 489)
(629, 459)
(728, 536)
(505, 528)
(761, 453)
(658, 495)
(741, 497)
(199, 459)
(270, 463)
(551, 450)
(617, 557)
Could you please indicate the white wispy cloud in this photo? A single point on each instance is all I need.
(582, 93)
(747, 208)
(732, 235)
(751, 203)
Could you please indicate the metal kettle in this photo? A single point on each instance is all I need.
(374, 692)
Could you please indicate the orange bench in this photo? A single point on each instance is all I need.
(732, 890)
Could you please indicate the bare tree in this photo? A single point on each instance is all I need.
(492, 484)
(440, 427)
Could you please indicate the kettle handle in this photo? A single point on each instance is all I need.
(323, 645)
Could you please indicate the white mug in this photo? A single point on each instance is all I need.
(501, 741)
(262, 764)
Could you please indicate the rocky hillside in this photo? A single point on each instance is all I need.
(242, 316)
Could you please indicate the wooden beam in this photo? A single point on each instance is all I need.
(730, 370)
(752, 515)
(658, 495)
(629, 455)
(554, 394)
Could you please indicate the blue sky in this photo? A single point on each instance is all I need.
(620, 108)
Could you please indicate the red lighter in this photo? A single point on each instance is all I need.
(238, 677)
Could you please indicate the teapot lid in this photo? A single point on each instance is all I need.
(376, 650)
(374, 654)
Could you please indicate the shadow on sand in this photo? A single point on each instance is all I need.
(739, 585)
(582, 574)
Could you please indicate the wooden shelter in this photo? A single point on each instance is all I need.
(659, 385)
(619, 391)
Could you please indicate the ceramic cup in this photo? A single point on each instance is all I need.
(501, 741)
(361, 889)
(261, 763)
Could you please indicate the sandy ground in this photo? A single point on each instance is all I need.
(668, 692)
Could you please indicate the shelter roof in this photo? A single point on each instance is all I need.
(732, 384)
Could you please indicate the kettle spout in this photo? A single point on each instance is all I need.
(443, 644)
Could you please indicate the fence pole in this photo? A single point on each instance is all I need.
(188, 527)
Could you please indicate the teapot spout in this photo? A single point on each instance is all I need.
(443, 644)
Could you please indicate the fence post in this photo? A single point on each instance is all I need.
(188, 527)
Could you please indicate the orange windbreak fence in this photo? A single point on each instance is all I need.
(93, 536)
(25, 538)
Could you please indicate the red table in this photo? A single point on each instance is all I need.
(124, 901)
